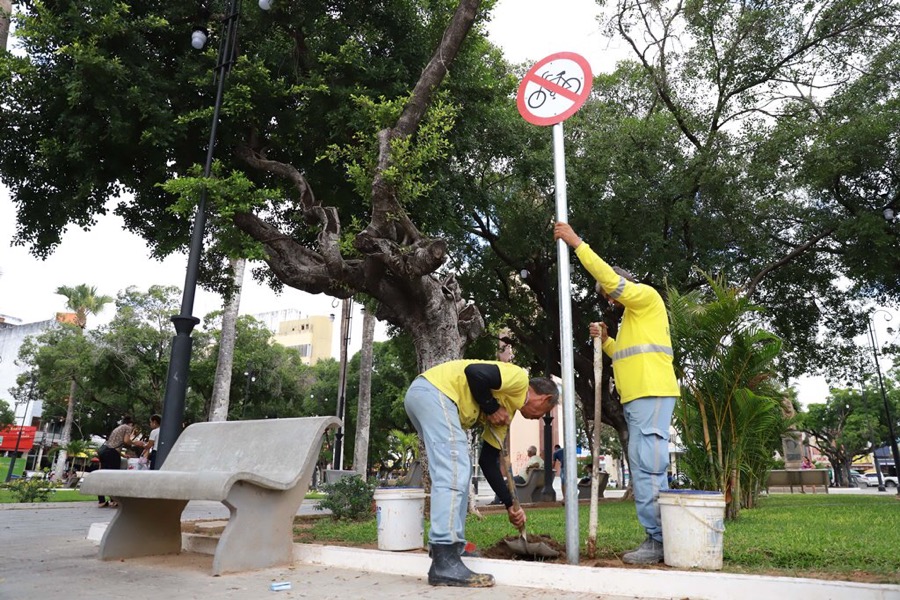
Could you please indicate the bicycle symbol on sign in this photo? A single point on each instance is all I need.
(537, 98)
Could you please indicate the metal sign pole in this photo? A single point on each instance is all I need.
(566, 351)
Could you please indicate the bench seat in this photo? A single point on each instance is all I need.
(260, 470)
(791, 478)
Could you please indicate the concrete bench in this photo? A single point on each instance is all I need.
(533, 488)
(584, 488)
(781, 478)
(260, 470)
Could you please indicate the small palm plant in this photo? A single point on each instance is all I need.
(729, 416)
(404, 446)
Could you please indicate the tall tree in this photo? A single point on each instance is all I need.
(757, 140)
(5, 17)
(851, 422)
(83, 300)
(349, 101)
(7, 416)
(222, 386)
(364, 399)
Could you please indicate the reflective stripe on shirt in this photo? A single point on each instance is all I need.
(642, 349)
(619, 289)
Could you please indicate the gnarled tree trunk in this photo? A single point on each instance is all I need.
(394, 262)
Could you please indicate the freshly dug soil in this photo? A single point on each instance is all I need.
(502, 550)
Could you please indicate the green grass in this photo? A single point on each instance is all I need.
(852, 537)
(60, 495)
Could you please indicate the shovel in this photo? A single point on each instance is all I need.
(521, 545)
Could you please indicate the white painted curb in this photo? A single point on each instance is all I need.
(646, 584)
(638, 583)
(95, 533)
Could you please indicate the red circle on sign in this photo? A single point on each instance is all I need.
(577, 98)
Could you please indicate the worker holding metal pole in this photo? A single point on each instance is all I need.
(642, 367)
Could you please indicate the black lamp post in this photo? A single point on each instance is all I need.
(180, 359)
(249, 377)
(872, 437)
(887, 408)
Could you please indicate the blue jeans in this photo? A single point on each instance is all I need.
(436, 418)
(648, 456)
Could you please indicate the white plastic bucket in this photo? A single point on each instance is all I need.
(693, 524)
(400, 514)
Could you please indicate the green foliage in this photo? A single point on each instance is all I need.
(849, 423)
(7, 415)
(349, 498)
(30, 490)
(121, 367)
(729, 416)
(394, 369)
(83, 300)
(404, 446)
(226, 195)
(410, 155)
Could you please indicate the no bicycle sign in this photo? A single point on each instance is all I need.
(554, 89)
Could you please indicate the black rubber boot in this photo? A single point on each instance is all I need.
(448, 569)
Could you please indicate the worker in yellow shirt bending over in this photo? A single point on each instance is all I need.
(441, 403)
(642, 365)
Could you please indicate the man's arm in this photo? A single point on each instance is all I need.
(489, 461)
(484, 378)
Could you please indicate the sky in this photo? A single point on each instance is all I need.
(112, 259)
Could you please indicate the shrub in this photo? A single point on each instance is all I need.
(30, 490)
(349, 498)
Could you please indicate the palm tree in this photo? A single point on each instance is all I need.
(405, 447)
(729, 416)
(83, 300)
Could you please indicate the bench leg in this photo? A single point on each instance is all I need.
(143, 527)
(260, 532)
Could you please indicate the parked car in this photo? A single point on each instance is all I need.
(889, 480)
(859, 479)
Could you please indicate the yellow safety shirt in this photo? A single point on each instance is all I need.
(450, 378)
(642, 352)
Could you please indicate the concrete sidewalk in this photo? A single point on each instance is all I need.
(45, 554)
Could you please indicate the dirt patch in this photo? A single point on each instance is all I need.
(502, 550)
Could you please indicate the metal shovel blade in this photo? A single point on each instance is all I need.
(523, 547)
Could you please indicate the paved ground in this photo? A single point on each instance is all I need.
(44, 554)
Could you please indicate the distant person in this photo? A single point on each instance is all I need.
(110, 452)
(559, 456)
(806, 464)
(534, 463)
(94, 465)
(645, 378)
(150, 447)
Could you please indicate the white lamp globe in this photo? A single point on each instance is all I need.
(198, 39)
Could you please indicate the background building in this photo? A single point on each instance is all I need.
(310, 336)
